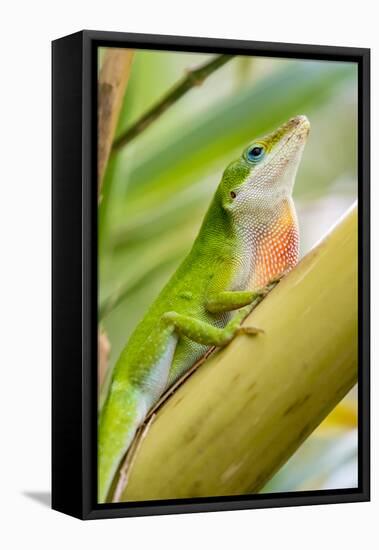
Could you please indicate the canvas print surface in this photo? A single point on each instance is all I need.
(227, 275)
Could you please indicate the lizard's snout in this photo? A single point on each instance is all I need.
(300, 123)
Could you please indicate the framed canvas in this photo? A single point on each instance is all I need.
(210, 275)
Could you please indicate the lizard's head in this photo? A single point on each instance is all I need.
(264, 175)
(256, 191)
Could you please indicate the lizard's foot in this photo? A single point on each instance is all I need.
(249, 330)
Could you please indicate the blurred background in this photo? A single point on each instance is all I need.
(158, 187)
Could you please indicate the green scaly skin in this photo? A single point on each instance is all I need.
(248, 237)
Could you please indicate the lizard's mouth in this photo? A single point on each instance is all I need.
(301, 128)
(300, 124)
(290, 137)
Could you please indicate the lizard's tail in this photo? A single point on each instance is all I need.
(120, 417)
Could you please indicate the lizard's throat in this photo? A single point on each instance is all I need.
(274, 246)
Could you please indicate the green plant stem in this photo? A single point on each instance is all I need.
(193, 78)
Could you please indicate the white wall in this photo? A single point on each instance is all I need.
(27, 28)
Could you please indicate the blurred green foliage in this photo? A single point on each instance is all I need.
(157, 188)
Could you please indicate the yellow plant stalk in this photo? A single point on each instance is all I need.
(243, 413)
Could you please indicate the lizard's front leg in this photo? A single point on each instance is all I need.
(205, 333)
(228, 300)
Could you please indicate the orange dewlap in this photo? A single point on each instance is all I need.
(277, 250)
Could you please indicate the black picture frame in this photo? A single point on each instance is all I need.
(74, 273)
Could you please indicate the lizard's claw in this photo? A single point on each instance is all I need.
(276, 279)
(262, 292)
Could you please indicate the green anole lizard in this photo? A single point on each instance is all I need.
(248, 238)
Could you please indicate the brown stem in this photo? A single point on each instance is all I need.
(113, 79)
(112, 84)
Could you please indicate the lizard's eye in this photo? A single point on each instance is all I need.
(232, 194)
(255, 153)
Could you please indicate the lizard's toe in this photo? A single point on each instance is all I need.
(250, 330)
